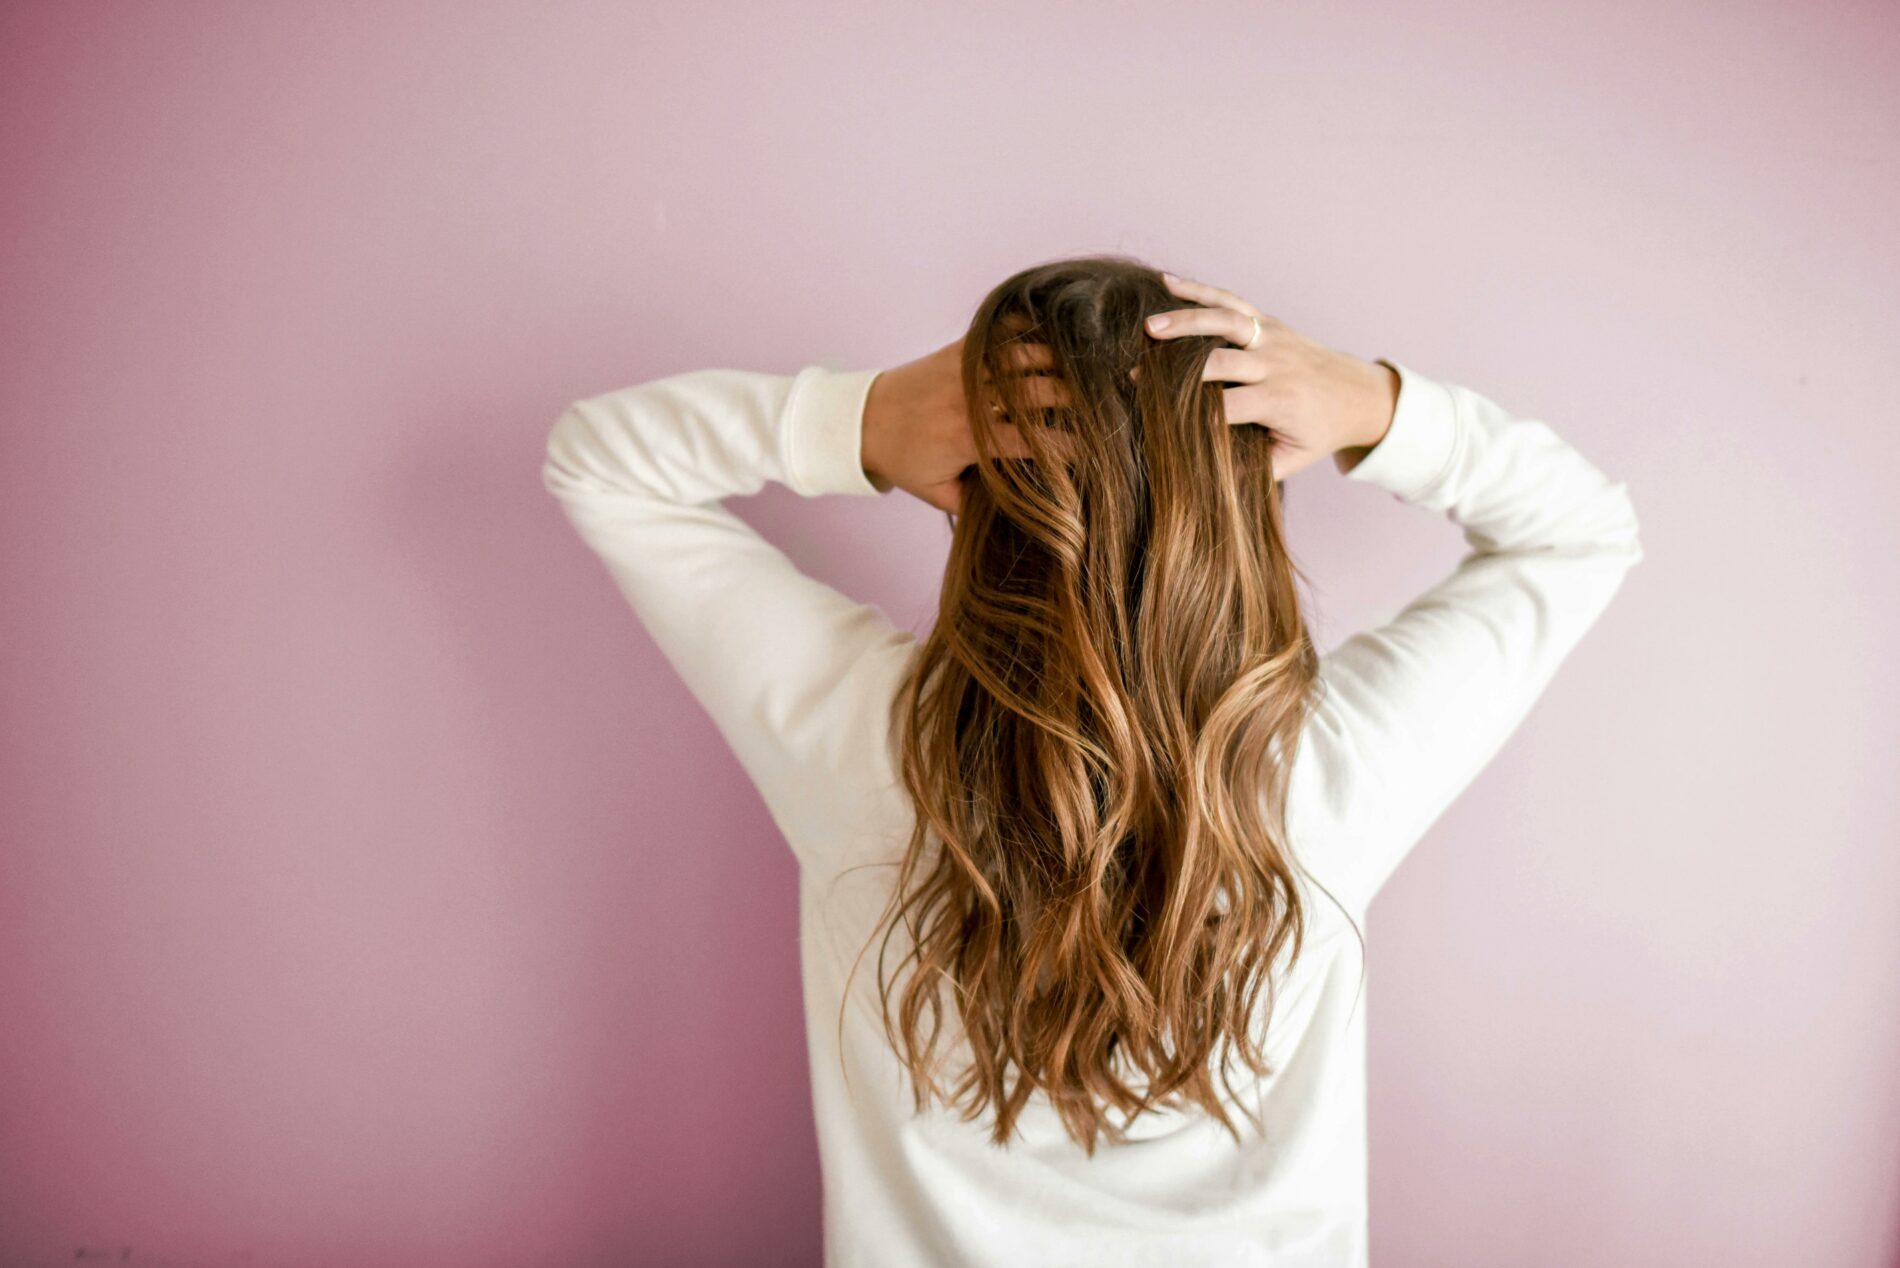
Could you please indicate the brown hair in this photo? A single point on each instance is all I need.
(1097, 730)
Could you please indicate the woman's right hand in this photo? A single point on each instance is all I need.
(916, 428)
(1315, 401)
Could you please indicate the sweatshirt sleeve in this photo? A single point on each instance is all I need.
(1410, 711)
(790, 670)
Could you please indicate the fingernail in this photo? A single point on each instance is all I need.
(1171, 277)
(1158, 322)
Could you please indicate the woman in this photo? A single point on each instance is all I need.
(1083, 870)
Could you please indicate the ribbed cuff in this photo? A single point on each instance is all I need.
(1418, 446)
(824, 432)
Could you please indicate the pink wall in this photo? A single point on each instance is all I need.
(372, 894)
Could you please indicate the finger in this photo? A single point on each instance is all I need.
(1234, 365)
(1032, 366)
(1251, 404)
(1011, 443)
(1026, 356)
(1202, 293)
(1038, 391)
(1042, 391)
(1228, 365)
(1227, 323)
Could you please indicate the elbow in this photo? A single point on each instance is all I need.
(564, 464)
(1608, 530)
(1602, 527)
(1628, 534)
(596, 451)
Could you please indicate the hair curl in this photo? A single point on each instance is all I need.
(1097, 731)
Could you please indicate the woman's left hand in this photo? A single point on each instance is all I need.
(1314, 401)
(917, 433)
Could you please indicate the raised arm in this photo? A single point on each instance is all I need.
(791, 671)
(1409, 712)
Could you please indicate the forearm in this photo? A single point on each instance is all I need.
(704, 435)
(1411, 709)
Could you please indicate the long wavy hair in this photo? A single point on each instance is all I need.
(1098, 729)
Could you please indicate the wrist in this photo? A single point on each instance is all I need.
(1373, 419)
(1382, 401)
(871, 433)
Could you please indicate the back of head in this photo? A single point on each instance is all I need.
(1097, 730)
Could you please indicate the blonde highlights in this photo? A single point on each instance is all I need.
(1097, 731)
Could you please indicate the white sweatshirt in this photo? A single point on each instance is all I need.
(798, 678)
